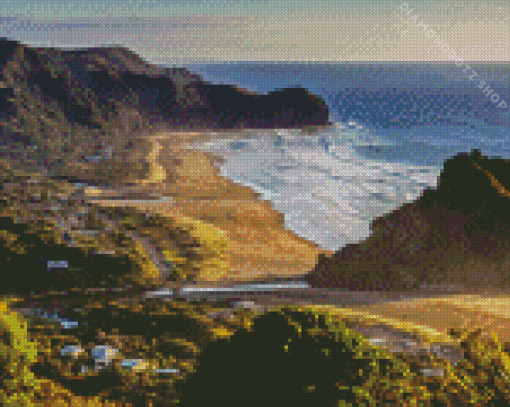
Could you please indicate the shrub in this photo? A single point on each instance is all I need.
(20, 387)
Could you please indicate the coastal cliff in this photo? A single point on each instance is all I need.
(455, 237)
(104, 91)
(98, 176)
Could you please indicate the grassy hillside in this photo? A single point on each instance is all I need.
(46, 220)
(286, 356)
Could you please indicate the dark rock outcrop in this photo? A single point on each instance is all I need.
(230, 107)
(455, 237)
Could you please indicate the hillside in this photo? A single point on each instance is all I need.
(84, 132)
(454, 237)
(80, 105)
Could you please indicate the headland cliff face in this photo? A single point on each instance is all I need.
(83, 101)
(91, 138)
(453, 237)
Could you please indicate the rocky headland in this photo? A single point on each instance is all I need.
(95, 154)
(102, 199)
(452, 238)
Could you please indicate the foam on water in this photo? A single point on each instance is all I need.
(327, 192)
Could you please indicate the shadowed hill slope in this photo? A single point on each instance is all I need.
(455, 236)
(62, 110)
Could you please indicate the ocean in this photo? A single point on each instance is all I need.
(394, 126)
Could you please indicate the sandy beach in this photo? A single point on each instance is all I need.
(180, 179)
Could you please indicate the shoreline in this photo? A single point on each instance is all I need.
(183, 180)
(207, 135)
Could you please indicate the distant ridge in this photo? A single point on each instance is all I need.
(93, 78)
(72, 104)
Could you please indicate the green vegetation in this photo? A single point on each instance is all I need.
(287, 356)
(165, 336)
(18, 353)
(315, 359)
(36, 215)
(212, 243)
(196, 248)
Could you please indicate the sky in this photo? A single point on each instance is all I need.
(178, 32)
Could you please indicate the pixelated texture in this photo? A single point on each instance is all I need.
(122, 244)
(450, 236)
